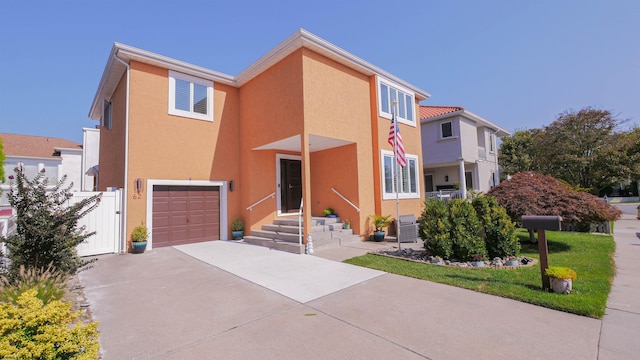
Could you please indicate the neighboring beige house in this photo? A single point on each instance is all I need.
(459, 150)
(55, 156)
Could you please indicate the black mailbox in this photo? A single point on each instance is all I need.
(537, 222)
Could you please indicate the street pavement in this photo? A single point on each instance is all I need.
(236, 301)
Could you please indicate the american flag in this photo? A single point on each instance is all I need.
(396, 138)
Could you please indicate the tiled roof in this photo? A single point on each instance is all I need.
(427, 111)
(34, 146)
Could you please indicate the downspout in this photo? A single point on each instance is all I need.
(123, 230)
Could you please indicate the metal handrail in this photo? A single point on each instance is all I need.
(345, 199)
(273, 194)
(300, 222)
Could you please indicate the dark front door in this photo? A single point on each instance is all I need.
(290, 184)
(428, 183)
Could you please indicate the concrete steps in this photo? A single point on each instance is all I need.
(283, 235)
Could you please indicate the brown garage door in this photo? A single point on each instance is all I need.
(185, 214)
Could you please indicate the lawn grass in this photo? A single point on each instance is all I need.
(590, 255)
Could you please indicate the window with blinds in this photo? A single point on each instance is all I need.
(190, 96)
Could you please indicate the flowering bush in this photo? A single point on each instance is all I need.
(31, 330)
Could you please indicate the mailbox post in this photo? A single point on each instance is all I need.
(542, 223)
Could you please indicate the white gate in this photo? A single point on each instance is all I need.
(104, 220)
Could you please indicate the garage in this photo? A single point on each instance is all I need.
(185, 214)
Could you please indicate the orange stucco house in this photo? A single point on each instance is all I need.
(195, 149)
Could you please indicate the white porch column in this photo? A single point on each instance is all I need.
(463, 179)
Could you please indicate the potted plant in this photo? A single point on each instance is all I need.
(512, 261)
(139, 239)
(436, 260)
(478, 261)
(561, 278)
(330, 213)
(347, 224)
(380, 222)
(237, 229)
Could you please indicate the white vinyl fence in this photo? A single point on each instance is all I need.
(104, 220)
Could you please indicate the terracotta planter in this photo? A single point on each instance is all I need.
(561, 286)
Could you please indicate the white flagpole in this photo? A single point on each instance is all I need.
(395, 166)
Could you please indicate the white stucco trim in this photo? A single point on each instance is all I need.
(223, 202)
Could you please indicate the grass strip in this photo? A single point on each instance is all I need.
(590, 255)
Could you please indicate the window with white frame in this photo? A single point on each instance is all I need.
(107, 114)
(492, 140)
(405, 101)
(408, 182)
(190, 96)
(446, 130)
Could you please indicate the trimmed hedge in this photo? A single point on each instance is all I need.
(468, 231)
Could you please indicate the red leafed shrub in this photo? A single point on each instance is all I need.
(531, 193)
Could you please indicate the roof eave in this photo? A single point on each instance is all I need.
(303, 38)
(114, 70)
(477, 118)
(441, 116)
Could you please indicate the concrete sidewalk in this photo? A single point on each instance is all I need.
(620, 338)
(165, 304)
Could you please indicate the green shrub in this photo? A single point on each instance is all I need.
(139, 233)
(237, 225)
(48, 283)
(467, 244)
(46, 226)
(435, 228)
(499, 230)
(30, 329)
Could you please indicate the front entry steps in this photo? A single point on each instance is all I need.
(283, 235)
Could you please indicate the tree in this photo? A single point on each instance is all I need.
(582, 148)
(629, 146)
(516, 152)
(2, 159)
(47, 230)
(578, 144)
(531, 193)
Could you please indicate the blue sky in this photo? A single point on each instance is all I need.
(516, 63)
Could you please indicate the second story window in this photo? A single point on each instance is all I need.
(492, 140)
(405, 102)
(107, 115)
(190, 96)
(446, 130)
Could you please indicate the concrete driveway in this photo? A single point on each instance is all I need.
(166, 304)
